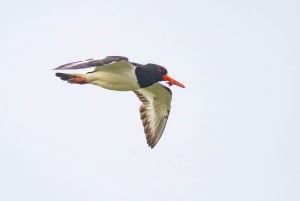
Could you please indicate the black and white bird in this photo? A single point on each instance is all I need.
(118, 73)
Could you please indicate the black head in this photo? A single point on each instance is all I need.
(156, 71)
(149, 74)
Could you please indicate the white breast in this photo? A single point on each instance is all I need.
(118, 76)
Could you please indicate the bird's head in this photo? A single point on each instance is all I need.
(161, 74)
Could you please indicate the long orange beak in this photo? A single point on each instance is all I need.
(171, 81)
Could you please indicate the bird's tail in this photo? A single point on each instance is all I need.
(73, 78)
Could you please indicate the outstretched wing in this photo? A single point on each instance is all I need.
(91, 63)
(154, 111)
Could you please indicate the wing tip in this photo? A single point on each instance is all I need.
(151, 145)
(152, 141)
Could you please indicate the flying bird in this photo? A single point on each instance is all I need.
(118, 73)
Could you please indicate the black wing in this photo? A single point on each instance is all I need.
(91, 63)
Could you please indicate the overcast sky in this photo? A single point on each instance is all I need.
(232, 134)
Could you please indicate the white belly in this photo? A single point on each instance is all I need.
(120, 81)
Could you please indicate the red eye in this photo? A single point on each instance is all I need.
(159, 70)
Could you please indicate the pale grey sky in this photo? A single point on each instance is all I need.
(233, 133)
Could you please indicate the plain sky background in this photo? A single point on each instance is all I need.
(232, 135)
